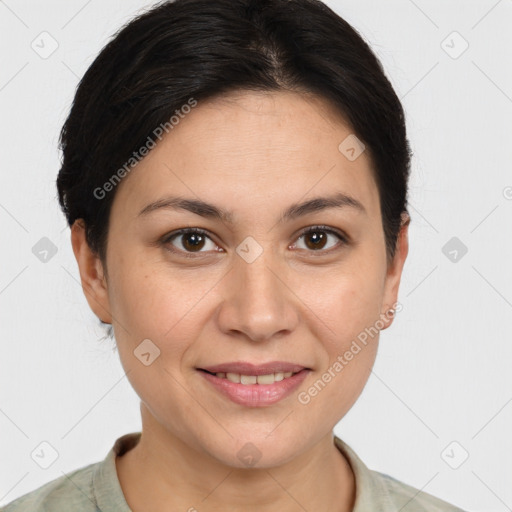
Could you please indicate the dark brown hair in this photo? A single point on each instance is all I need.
(199, 49)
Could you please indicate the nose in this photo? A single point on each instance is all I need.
(258, 303)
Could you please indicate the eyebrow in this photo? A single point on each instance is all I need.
(317, 204)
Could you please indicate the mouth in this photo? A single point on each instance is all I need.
(249, 369)
(238, 378)
(255, 386)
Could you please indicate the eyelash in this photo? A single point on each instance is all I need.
(312, 229)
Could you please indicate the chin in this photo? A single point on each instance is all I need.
(249, 450)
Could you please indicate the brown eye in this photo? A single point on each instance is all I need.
(321, 239)
(190, 241)
(315, 240)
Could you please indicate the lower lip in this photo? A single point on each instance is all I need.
(256, 395)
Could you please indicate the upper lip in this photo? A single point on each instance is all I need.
(245, 368)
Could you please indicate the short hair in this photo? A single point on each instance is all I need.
(202, 49)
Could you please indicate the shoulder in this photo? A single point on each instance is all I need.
(406, 497)
(91, 488)
(382, 492)
(73, 491)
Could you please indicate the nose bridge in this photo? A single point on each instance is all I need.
(257, 302)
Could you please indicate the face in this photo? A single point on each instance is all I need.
(250, 286)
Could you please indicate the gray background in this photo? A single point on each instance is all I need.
(441, 388)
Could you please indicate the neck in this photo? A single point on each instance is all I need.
(181, 478)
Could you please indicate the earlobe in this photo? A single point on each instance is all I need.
(92, 275)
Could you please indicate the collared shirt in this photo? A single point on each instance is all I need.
(96, 488)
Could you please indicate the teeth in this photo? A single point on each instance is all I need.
(266, 379)
(253, 379)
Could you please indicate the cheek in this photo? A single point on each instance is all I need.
(136, 300)
(348, 307)
(346, 301)
(140, 294)
(150, 301)
(149, 305)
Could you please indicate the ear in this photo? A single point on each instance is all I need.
(394, 272)
(94, 283)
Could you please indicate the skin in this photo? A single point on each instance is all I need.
(253, 154)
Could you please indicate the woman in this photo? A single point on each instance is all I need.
(235, 178)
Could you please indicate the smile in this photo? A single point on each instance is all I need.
(255, 379)
(254, 390)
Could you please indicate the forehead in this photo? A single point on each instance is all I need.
(252, 149)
